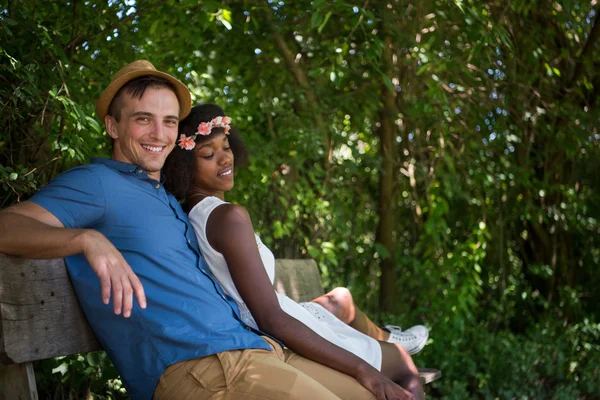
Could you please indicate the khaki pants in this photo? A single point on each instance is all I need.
(256, 374)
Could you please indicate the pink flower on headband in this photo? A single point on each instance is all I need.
(187, 143)
(204, 128)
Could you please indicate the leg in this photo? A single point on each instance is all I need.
(251, 374)
(259, 375)
(398, 365)
(340, 303)
(343, 386)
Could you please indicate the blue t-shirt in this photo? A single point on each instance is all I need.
(188, 314)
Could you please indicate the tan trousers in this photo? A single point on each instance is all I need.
(256, 374)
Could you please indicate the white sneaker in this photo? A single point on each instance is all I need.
(393, 328)
(413, 339)
(418, 330)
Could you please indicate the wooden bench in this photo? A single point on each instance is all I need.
(40, 316)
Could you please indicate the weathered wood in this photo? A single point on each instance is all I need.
(429, 375)
(17, 382)
(298, 279)
(38, 306)
(39, 313)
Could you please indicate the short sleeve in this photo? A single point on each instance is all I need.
(75, 197)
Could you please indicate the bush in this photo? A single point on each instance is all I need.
(550, 361)
(80, 376)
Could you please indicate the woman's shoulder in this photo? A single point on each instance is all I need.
(226, 222)
(231, 214)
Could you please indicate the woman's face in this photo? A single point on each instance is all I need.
(213, 174)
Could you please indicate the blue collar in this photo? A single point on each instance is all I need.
(136, 170)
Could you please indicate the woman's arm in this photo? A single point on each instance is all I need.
(230, 232)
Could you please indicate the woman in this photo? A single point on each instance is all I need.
(200, 171)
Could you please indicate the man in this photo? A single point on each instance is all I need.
(110, 216)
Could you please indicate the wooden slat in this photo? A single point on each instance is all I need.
(39, 313)
(429, 375)
(38, 306)
(298, 279)
(17, 382)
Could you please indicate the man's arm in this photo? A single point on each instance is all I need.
(29, 230)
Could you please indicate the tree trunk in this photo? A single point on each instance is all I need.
(387, 178)
(301, 78)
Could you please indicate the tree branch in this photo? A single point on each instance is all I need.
(302, 79)
(588, 50)
(78, 40)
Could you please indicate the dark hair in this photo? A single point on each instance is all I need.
(179, 167)
(136, 88)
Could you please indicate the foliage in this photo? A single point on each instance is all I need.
(549, 362)
(491, 230)
(79, 377)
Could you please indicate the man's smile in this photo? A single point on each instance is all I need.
(153, 149)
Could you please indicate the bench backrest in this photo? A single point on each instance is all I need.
(41, 318)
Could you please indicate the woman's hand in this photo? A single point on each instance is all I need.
(381, 386)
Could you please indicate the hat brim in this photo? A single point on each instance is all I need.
(107, 96)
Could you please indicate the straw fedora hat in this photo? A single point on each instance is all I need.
(135, 70)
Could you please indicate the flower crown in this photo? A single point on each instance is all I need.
(204, 129)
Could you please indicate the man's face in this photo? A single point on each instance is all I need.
(147, 130)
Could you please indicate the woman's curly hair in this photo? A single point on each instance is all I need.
(179, 167)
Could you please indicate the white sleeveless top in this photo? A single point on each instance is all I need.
(313, 315)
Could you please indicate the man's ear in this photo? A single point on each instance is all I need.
(111, 127)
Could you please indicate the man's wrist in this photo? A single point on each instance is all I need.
(83, 239)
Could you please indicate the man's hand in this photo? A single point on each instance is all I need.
(113, 271)
(381, 386)
(29, 230)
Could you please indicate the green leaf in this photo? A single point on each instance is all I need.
(386, 80)
(226, 15)
(382, 251)
(93, 359)
(154, 26)
(316, 20)
(62, 368)
(327, 16)
(313, 252)
(8, 21)
(316, 72)
(277, 230)
(227, 24)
